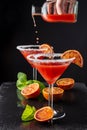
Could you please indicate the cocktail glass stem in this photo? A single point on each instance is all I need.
(58, 114)
(34, 73)
(50, 100)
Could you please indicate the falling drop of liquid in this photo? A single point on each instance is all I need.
(34, 21)
(36, 31)
(37, 40)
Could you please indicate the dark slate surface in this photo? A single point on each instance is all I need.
(12, 104)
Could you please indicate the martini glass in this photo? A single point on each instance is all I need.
(51, 67)
(27, 50)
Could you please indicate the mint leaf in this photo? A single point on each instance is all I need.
(22, 76)
(20, 85)
(22, 79)
(28, 113)
(29, 82)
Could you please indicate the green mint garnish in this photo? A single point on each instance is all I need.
(28, 113)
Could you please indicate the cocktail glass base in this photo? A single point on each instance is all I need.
(58, 114)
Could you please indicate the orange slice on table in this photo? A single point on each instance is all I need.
(74, 53)
(65, 83)
(47, 48)
(44, 114)
(57, 93)
(31, 91)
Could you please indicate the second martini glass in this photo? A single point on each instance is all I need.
(27, 50)
(51, 67)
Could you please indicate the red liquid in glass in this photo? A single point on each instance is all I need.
(68, 18)
(51, 71)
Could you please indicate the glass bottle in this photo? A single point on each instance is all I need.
(57, 11)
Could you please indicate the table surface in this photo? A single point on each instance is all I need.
(12, 104)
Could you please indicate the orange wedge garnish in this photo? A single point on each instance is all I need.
(74, 53)
(47, 48)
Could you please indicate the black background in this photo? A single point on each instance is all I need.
(16, 28)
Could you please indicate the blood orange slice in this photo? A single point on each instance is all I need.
(57, 93)
(31, 91)
(74, 53)
(47, 48)
(65, 83)
(44, 114)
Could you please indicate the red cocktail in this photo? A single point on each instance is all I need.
(51, 67)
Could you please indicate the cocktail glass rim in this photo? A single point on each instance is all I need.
(35, 56)
(28, 47)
